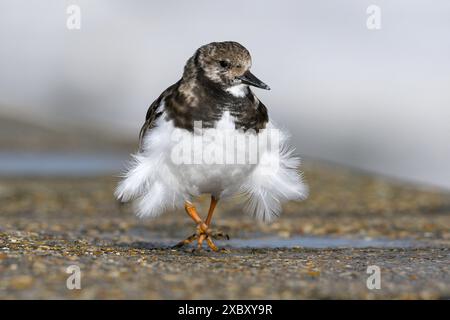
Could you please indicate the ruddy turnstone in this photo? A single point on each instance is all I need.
(209, 133)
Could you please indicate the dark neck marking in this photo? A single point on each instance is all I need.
(211, 101)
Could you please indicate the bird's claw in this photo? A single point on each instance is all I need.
(203, 233)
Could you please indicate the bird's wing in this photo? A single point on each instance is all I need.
(153, 112)
(262, 116)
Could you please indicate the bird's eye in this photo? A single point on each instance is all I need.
(224, 64)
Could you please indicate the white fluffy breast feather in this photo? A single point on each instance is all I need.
(149, 180)
(275, 180)
(157, 184)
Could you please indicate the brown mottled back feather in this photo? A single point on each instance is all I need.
(153, 113)
(200, 95)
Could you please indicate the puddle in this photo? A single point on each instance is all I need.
(260, 241)
(54, 164)
(293, 242)
(318, 242)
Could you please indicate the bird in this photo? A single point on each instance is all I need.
(213, 98)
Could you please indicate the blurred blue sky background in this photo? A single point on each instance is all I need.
(373, 99)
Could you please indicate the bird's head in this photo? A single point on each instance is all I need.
(228, 65)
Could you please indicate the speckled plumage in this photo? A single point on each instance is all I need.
(215, 90)
(200, 95)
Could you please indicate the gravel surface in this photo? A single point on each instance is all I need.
(47, 225)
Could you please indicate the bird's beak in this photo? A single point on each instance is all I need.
(251, 80)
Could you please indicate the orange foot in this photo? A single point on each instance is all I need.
(203, 232)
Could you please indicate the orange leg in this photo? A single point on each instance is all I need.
(219, 234)
(192, 212)
(212, 206)
(202, 233)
